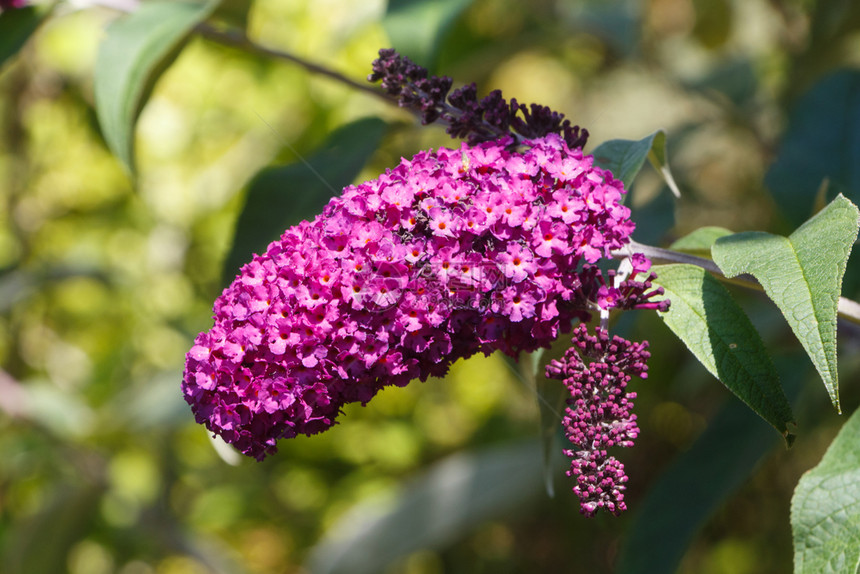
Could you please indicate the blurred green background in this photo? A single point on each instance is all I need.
(104, 282)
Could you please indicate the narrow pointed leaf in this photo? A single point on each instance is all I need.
(718, 332)
(550, 395)
(825, 508)
(16, 27)
(625, 158)
(136, 50)
(279, 197)
(660, 161)
(688, 492)
(802, 274)
(693, 487)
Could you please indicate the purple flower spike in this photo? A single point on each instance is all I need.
(476, 121)
(9, 4)
(451, 253)
(596, 371)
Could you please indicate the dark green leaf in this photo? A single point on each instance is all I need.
(699, 242)
(550, 395)
(417, 28)
(688, 492)
(625, 158)
(717, 331)
(802, 274)
(660, 161)
(279, 197)
(822, 142)
(16, 27)
(136, 50)
(825, 509)
(696, 483)
(440, 507)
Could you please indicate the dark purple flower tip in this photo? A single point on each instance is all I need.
(476, 121)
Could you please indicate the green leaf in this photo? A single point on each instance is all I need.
(550, 395)
(717, 331)
(825, 508)
(700, 241)
(688, 492)
(625, 158)
(131, 58)
(822, 142)
(802, 274)
(16, 27)
(693, 487)
(279, 197)
(416, 28)
(660, 161)
(439, 508)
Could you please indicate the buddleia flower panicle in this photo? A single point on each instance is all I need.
(596, 370)
(467, 117)
(451, 253)
(492, 246)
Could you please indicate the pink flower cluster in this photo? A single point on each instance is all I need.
(451, 253)
(596, 371)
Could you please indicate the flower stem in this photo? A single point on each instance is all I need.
(238, 39)
(848, 309)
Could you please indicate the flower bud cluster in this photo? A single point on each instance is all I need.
(467, 117)
(596, 370)
(630, 293)
(451, 253)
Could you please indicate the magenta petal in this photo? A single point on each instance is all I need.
(451, 253)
